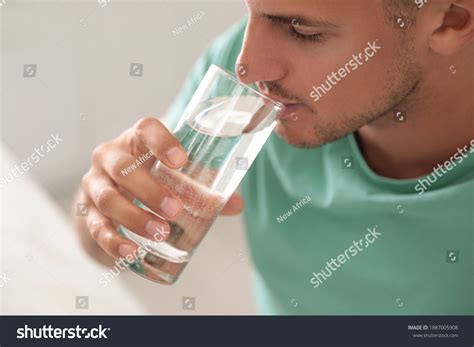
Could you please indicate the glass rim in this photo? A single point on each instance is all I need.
(228, 74)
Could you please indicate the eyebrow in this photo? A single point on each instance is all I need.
(300, 20)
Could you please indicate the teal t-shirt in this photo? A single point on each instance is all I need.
(328, 236)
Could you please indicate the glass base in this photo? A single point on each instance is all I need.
(151, 265)
(146, 268)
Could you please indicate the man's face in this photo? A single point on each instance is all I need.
(343, 63)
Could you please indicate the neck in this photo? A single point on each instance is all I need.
(437, 120)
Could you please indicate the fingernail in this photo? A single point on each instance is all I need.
(126, 250)
(156, 229)
(170, 206)
(176, 156)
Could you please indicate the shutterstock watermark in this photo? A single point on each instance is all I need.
(352, 65)
(420, 3)
(20, 169)
(4, 279)
(103, 3)
(332, 265)
(455, 160)
(122, 264)
(136, 164)
(48, 332)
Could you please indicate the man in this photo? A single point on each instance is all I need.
(362, 200)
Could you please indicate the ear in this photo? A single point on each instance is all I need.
(456, 29)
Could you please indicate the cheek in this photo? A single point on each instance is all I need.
(314, 63)
(355, 82)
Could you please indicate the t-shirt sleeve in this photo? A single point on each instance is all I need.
(222, 52)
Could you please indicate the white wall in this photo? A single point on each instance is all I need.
(83, 53)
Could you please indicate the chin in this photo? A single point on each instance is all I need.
(295, 135)
(282, 131)
(292, 135)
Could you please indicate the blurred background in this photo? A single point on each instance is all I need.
(66, 69)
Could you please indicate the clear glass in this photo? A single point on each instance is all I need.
(222, 129)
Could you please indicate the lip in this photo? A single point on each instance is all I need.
(289, 111)
(289, 108)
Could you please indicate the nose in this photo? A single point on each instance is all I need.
(259, 58)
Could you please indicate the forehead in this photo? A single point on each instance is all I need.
(329, 10)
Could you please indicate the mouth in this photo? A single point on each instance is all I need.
(289, 112)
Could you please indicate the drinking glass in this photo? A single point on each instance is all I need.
(223, 128)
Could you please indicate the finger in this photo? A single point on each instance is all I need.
(156, 137)
(141, 184)
(112, 204)
(104, 233)
(234, 205)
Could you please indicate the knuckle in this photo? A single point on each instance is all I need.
(104, 197)
(89, 178)
(107, 241)
(145, 123)
(86, 180)
(98, 152)
(119, 163)
(95, 229)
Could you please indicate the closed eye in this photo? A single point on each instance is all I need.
(293, 28)
(305, 37)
